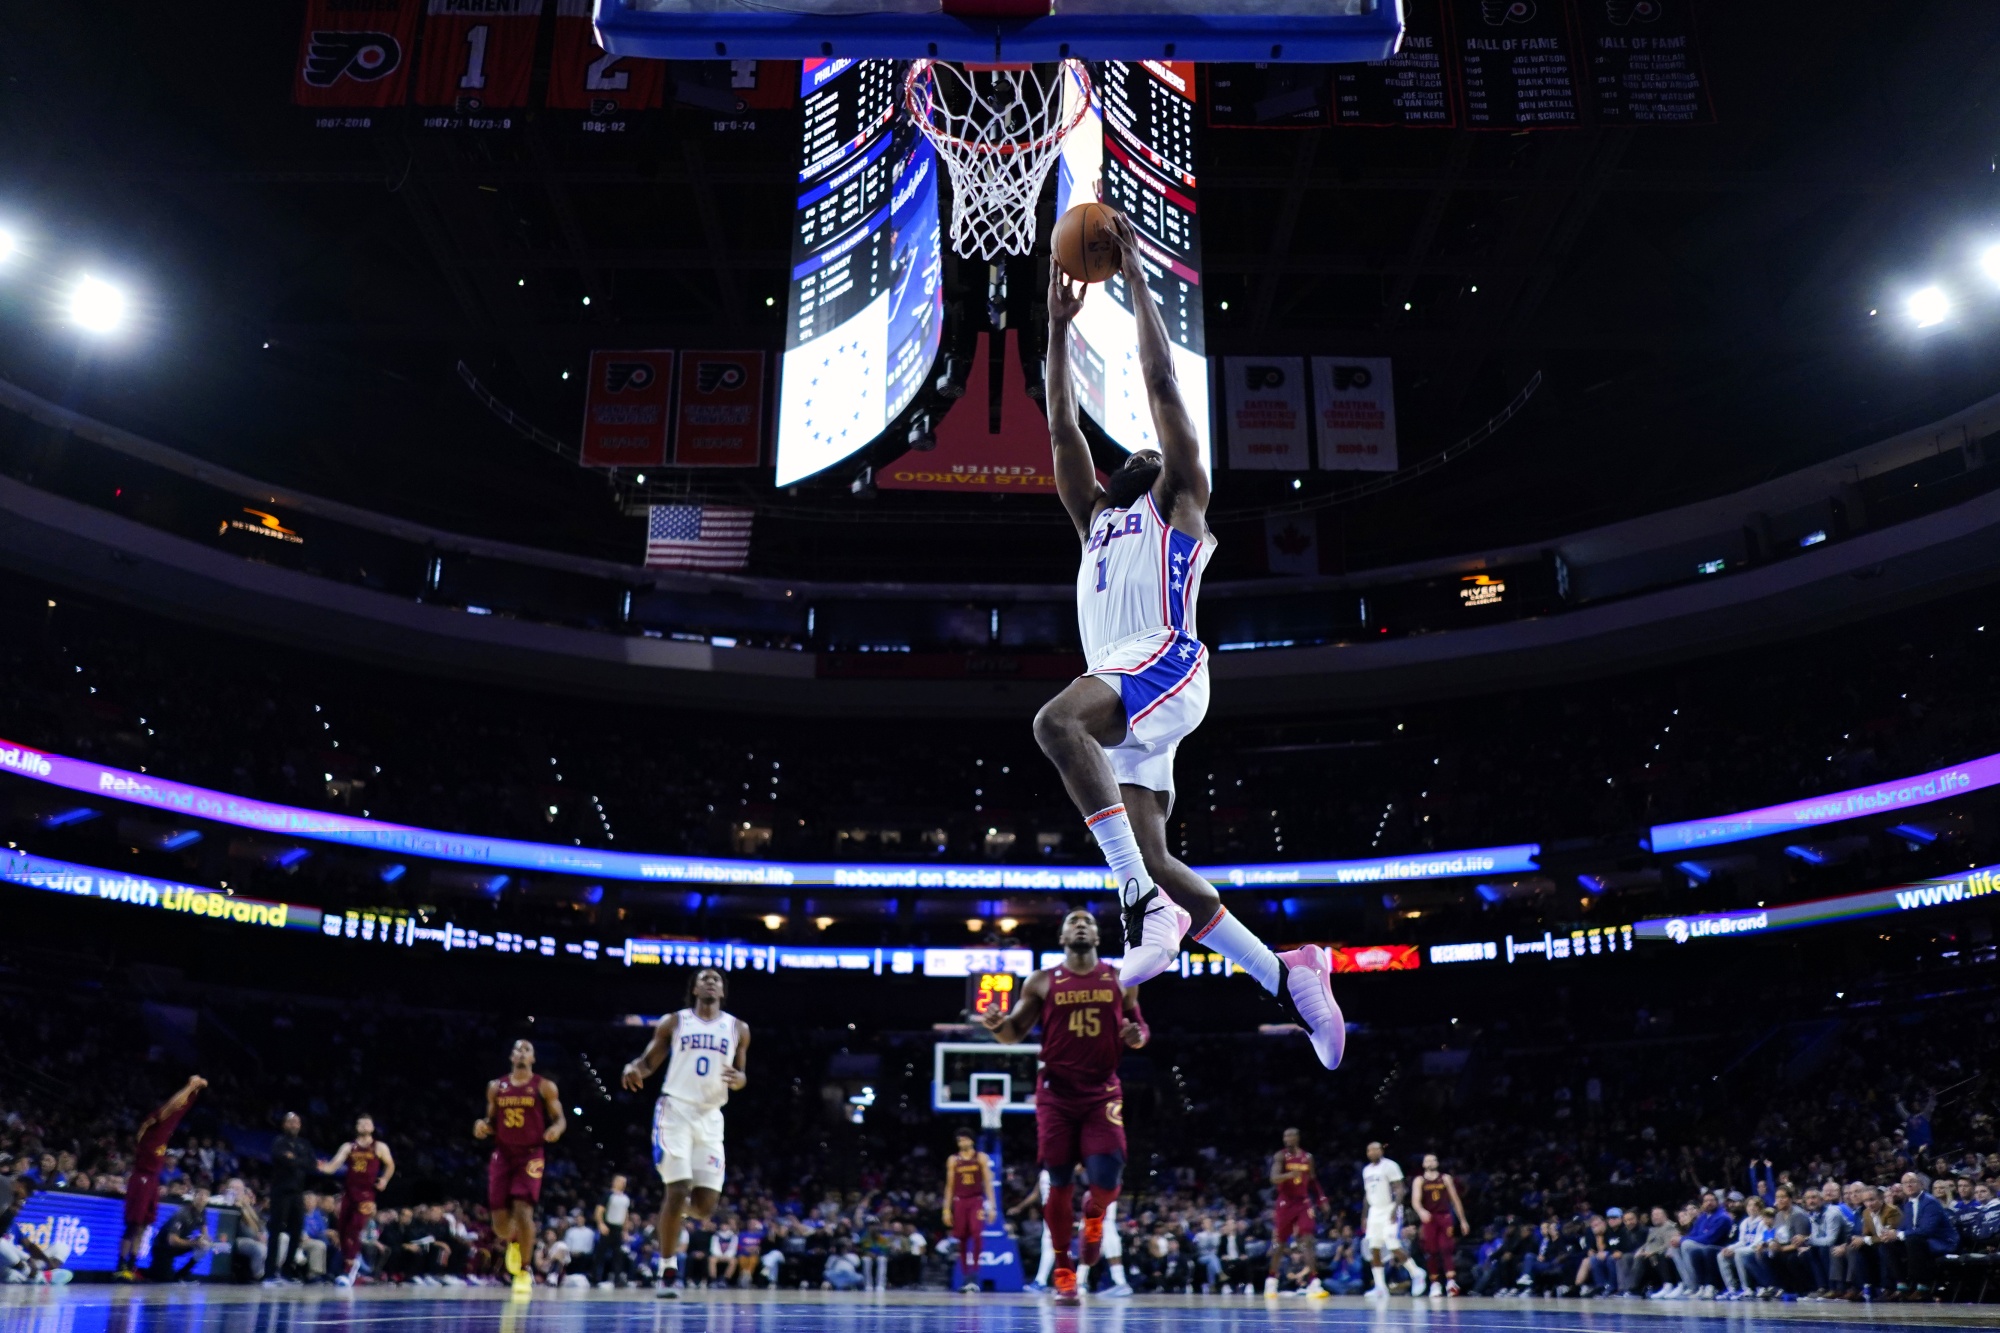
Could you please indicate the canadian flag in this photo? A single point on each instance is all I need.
(1291, 543)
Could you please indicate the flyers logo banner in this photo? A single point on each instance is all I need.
(1354, 413)
(1264, 400)
(720, 421)
(478, 56)
(583, 77)
(625, 409)
(355, 53)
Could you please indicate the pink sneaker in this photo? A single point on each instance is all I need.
(1159, 947)
(1309, 987)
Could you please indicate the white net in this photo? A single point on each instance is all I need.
(999, 128)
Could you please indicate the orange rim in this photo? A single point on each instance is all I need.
(921, 82)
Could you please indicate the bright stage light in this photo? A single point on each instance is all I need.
(1990, 261)
(96, 305)
(1929, 306)
(10, 245)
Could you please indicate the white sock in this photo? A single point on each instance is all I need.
(1233, 940)
(1117, 1273)
(1381, 1278)
(1113, 831)
(1047, 1266)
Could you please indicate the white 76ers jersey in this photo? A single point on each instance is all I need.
(1138, 575)
(1378, 1184)
(701, 1049)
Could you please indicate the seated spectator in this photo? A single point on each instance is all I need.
(1831, 1229)
(580, 1239)
(253, 1241)
(843, 1269)
(1733, 1259)
(1595, 1270)
(1929, 1229)
(1694, 1255)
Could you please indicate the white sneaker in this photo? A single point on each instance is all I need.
(1308, 981)
(1159, 949)
(1122, 1290)
(1707, 1293)
(1378, 1293)
(1270, 1286)
(344, 1280)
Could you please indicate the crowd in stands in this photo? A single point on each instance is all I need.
(1603, 1149)
(1599, 760)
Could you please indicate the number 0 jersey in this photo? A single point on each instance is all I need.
(701, 1049)
(1138, 575)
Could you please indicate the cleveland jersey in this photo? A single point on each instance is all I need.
(968, 1178)
(1138, 575)
(702, 1047)
(518, 1106)
(1296, 1182)
(364, 1168)
(1433, 1195)
(1080, 1032)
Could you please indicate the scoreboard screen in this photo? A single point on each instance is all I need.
(1135, 150)
(990, 992)
(866, 301)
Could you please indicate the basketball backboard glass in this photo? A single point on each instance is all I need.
(962, 1069)
(1322, 31)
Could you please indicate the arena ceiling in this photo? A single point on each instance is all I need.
(1696, 299)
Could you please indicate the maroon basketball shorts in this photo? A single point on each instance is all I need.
(1437, 1241)
(1069, 1130)
(513, 1173)
(1292, 1219)
(142, 1199)
(967, 1226)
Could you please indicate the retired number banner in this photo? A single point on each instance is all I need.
(583, 77)
(1265, 399)
(355, 53)
(478, 54)
(625, 409)
(720, 422)
(1354, 413)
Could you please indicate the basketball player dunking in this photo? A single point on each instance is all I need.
(368, 1164)
(142, 1185)
(1435, 1197)
(1295, 1212)
(968, 1193)
(523, 1112)
(1112, 733)
(710, 1052)
(1085, 1015)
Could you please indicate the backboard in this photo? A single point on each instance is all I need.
(960, 1067)
(1320, 31)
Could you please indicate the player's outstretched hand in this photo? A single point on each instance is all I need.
(197, 1083)
(992, 1019)
(1132, 1034)
(481, 1128)
(1065, 297)
(632, 1078)
(732, 1077)
(1126, 238)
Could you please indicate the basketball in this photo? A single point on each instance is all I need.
(1082, 244)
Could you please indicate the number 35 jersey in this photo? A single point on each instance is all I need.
(1080, 1032)
(701, 1049)
(1138, 576)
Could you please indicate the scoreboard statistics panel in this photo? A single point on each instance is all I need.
(866, 301)
(1135, 150)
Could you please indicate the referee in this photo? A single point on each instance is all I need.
(292, 1161)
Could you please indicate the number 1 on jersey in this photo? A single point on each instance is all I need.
(1100, 574)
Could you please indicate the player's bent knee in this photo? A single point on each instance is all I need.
(1104, 1171)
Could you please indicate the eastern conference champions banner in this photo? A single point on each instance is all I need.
(1354, 413)
(720, 419)
(1265, 397)
(625, 409)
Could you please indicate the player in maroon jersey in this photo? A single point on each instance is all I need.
(369, 1165)
(1085, 1016)
(968, 1206)
(523, 1112)
(1435, 1197)
(142, 1184)
(1295, 1211)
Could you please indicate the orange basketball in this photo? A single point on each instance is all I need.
(1082, 244)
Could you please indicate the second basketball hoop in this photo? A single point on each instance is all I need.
(999, 128)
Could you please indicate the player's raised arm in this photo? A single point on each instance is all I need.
(388, 1166)
(641, 1069)
(1014, 1026)
(552, 1112)
(737, 1072)
(1076, 475)
(1182, 474)
(338, 1160)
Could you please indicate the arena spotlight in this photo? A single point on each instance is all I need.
(96, 305)
(1928, 306)
(10, 245)
(1989, 262)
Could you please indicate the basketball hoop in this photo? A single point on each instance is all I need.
(999, 128)
(992, 1105)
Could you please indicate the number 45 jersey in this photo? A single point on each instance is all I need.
(701, 1049)
(1080, 1033)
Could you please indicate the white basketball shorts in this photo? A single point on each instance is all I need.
(687, 1143)
(1383, 1232)
(1162, 676)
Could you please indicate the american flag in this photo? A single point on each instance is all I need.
(697, 537)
